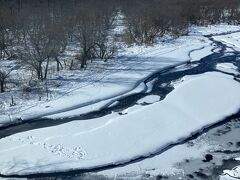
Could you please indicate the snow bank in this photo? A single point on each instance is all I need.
(228, 68)
(162, 164)
(214, 29)
(150, 85)
(231, 40)
(149, 99)
(197, 102)
(196, 56)
(98, 105)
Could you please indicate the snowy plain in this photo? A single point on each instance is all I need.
(172, 120)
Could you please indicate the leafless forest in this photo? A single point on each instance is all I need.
(34, 34)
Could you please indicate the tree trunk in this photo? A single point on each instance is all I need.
(83, 63)
(46, 69)
(2, 86)
(71, 65)
(39, 74)
(58, 68)
(40, 71)
(84, 58)
(58, 64)
(1, 53)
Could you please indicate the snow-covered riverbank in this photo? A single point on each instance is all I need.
(197, 102)
(91, 91)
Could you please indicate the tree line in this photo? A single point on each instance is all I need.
(35, 33)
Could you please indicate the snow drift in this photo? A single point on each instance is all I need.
(197, 102)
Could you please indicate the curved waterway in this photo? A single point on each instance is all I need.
(161, 86)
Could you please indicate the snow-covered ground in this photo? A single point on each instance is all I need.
(101, 84)
(228, 68)
(231, 40)
(214, 29)
(104, 81)
(163, 164)
(197, 102)
(149, 99)
(116, 139)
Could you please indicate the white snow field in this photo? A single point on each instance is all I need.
(198, 102)
(228, 68)
(110, 81)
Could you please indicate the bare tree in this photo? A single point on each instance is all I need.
(37, 32)
(5, 34)
(92, 31)
(35, 53)
(4, 75)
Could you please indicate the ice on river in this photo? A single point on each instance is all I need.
(199, 101)
(228, 68)
(149, 99)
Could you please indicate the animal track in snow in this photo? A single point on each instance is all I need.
(59, 149)
(76, 153)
